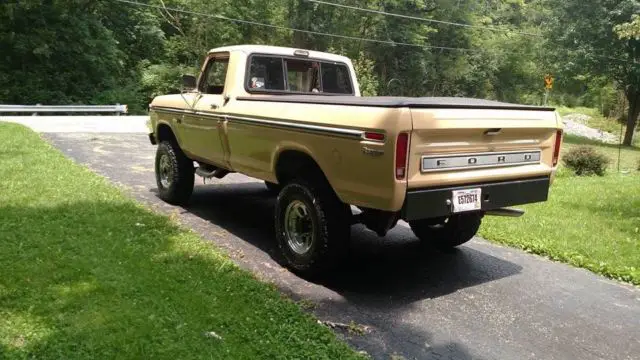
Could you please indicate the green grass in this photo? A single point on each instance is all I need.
(86, 273)
(590, 222)
(629, 156)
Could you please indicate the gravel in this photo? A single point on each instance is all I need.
(574, 124)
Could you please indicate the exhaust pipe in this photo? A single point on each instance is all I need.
(505, 212)
(211, 172)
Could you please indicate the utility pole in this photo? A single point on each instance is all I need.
(546, 96)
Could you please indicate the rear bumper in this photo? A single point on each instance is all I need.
(432, 202)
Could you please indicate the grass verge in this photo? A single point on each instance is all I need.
(590, 222)
(86, 272)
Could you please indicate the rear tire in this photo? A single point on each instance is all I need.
(312, 227)
(447, 233)
(174, 173)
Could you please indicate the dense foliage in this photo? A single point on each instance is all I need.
(108, 51)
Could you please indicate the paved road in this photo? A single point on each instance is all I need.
(482, 301)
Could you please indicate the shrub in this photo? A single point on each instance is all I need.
(585, 160)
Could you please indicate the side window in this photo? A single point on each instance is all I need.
(265, 73)
(335, 79)
(215, 75)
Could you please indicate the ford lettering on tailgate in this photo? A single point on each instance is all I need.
(481, 160)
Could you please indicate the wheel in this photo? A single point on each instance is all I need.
(274, 188)
(174, 173)
(312, 227)
(449, 232)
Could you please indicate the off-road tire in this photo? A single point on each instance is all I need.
(331, 221)
(182, 175)
(457, 230)
(272, 187)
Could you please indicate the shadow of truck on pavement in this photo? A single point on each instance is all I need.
(379, 272)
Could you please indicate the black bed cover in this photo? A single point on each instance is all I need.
(395, 102)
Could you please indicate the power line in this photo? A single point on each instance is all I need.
(222, 17)
(447, 23)
(388, 42)
(421, 18)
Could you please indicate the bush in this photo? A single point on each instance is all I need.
(585, 160)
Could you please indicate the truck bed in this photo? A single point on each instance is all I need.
(395, 102)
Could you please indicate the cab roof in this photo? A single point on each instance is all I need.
(279, 50)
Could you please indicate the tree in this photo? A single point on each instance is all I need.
(630, 30)
(87, 51)
(56, 52)
(583, 41)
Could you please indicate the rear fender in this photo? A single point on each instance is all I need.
(286, 146)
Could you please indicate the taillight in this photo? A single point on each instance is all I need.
(556, 148)
(401, 155)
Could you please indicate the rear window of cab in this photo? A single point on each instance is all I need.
(292, 75)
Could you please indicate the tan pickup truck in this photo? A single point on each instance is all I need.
(295, 119)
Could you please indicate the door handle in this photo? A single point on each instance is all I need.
(492, 132)
(179, 120)
(214, 106)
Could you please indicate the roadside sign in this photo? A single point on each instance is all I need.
(548, 81)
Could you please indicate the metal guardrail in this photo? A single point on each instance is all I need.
(49, 109)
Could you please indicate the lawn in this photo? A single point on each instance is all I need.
(86, 273)
(629, 156)
(591, 222)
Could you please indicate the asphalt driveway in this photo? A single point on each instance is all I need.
(482, 301)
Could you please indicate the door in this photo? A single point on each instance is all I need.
(203, 125)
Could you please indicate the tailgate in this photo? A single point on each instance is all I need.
(465, 146)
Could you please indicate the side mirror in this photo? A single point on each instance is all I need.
(189, 82)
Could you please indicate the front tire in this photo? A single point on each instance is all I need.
(312, 227)
(174, 174)
(447, 233)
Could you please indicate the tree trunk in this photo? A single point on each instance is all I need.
(633, 96)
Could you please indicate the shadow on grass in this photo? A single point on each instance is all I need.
(111, 280)
(380, 272)
(104, 280)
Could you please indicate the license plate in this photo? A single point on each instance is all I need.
(466, 200)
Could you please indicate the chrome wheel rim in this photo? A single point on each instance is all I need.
(165, 171)
(298, 227)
